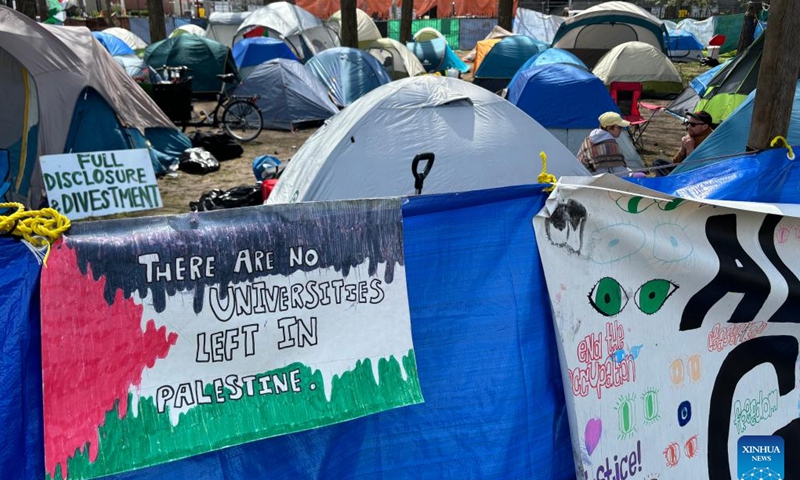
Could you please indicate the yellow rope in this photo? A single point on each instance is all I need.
(782, 141)
(545, 177)
(40, 228)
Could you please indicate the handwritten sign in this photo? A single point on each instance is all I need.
(172, 336)
(81, 185)
(677, 328)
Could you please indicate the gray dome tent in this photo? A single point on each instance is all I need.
(290, 94)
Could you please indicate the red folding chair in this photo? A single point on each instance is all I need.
(627, 96)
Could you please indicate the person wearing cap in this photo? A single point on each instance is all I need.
(698, 128)
(600, 152)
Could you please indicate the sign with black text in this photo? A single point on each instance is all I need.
(94, 184)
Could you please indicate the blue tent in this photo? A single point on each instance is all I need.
(504, 59)
(731, 136)
(114, 45)
(289, 94)
(547, 57)
(250, 52)
(683, 46)
(561, 96)
(567, 100)
(436, 56)
(348, 73)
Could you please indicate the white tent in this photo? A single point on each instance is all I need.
(642, 63)
(305, 34)
(479, 140)
(130, 38)
(222, 26)
(396, 58)
(188, 29)
(427, 33)
(367, 31)
(602, 27)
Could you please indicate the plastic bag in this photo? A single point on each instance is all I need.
(198, 161)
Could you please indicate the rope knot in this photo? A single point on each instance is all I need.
(545, 177)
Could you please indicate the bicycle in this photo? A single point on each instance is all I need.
(238, 116)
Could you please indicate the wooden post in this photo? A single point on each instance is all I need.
(405, 21)
(777, 78)
(746, 35)
(348, 31)
(155, 14)
(504, 16)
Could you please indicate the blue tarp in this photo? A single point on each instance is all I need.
(486, 359)
(348, 73)
(731, 136)
(682, 40)
(769, 176)
(561, 96)
(250, 52)
(114, 45)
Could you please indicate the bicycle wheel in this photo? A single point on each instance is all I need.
(242, 120)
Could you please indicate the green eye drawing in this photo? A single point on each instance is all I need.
(651, 296)
(608, 297)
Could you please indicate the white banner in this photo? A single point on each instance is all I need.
(81, 185)
(676, 323)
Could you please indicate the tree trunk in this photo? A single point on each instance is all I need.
(27, 7)
(107, 13)
(405, 21)
(777, 77)
(748, 26)
(155, 14)
(504, 17)
(348, 31)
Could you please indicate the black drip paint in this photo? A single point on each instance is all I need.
(344, 234)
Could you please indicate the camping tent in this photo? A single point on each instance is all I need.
(497, 32)
(596, 30)
(548, 57)
(731, 85)
(567, 100)
(290, 94)
(250, 52)
(684, 47)
(188, 29)
(437, 56)
(64, 93)
(367, 31)
(642, 63)
(396, 58)
(731, 136)
(690, 96)
(114, 45)
(305, 34)
(504, 59)
(537, 25)
(137, 44)
(426, 34)
(348, 73)
(222, 26)
(479, 140)
(205, 58)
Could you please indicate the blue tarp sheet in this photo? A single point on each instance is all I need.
(114, 45)
(487, 363)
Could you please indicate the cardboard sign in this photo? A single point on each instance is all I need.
(677, 329)
(81, 185)
(167, 337)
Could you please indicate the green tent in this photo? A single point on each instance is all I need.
(205, 58)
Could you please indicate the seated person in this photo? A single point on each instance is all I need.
(599, 152)
(698, 128)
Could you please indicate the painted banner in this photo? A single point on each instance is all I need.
(677, 329)
(167, 337)
(82, 185)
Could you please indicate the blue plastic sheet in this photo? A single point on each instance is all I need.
(486, 358)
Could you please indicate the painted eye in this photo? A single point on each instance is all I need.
(651, 296)
(608, 297)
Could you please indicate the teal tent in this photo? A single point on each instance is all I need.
(205, 58)
(504, 59)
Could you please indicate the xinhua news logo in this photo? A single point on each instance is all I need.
(760, 457)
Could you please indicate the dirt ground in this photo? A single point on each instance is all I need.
(661, 138)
